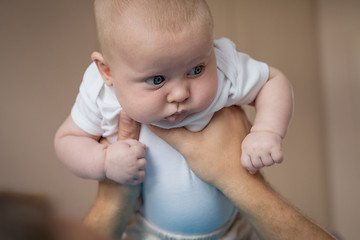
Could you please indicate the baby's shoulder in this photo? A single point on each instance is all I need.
(92, 78)
(92, 83)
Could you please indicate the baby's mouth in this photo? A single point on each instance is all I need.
(173, 117)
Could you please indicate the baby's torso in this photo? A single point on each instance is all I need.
(174, 198)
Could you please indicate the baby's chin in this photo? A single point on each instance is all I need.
(168, 124)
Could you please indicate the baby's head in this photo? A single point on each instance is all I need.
(166, 16)
(158, 55)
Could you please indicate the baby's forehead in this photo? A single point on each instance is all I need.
(159, 14)
(168, 15)
(114, 17)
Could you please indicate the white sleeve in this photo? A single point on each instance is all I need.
(247, 76)
(85, 112)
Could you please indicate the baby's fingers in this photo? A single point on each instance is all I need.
(141, 163)
(140, 175)
(137, 148)
(133, 142)
(256, 161)
(135, 181)
(277, 156)
(137, 178)
(267, 160)
(246, 162)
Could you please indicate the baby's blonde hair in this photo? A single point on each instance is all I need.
(163, 15)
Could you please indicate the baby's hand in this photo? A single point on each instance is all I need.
(260, 149)
(125, 162)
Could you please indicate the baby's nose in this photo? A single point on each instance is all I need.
(179, 93)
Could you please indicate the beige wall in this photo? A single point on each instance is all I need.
(339, 38)
(45, 47)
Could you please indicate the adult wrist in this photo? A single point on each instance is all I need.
(112, 191)
(245, 190)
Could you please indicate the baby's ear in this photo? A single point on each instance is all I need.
(103, 68)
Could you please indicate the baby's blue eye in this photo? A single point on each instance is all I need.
(196, 70)
(156, 80)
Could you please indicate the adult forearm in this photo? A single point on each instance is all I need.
(115, 203)
(216, 160)
(113, 208)
(270, 216)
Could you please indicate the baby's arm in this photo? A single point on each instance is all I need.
(123, 161)
(274, 108)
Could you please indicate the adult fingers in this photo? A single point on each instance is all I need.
(172, 136)
(128, 128)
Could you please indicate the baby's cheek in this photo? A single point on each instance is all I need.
(206, 94)
(143, 111)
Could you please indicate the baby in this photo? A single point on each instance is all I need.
(160, 64)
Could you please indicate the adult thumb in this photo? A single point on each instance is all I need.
(128, 128)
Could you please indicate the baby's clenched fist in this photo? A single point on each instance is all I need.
(125, 162)
(261, 149)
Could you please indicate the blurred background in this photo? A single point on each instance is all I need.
(45, 47)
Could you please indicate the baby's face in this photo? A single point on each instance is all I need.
(163, 78)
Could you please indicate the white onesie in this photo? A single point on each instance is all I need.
(174, 198)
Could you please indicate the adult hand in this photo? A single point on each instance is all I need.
(214, 153)
(115, 203)
(214, 156)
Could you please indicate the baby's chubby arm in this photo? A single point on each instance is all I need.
(274, 108)
(122, 161)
